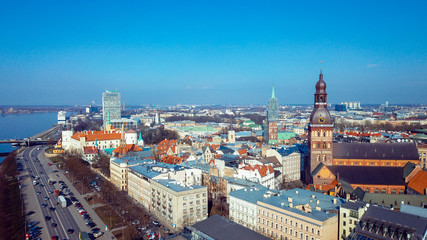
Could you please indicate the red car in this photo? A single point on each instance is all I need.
(83, 212)
(54, 237)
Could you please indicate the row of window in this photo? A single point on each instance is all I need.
(280, 227)
(322, 133)
(275, 235)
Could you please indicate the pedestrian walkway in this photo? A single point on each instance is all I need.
(96, 219)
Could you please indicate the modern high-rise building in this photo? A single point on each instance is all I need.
(111, 106)
(272, 119)
(320, 128)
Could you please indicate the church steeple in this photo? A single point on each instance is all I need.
(273, 95)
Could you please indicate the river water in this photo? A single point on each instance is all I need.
(24, 125)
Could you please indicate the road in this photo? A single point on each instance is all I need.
(61, 216)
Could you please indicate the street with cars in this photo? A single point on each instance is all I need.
(48, 218)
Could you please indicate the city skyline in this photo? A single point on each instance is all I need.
(222, 53)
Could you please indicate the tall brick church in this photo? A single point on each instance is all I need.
(320, 129)
(332, 163)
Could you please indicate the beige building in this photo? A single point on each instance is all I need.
(422, 151)
(178, 204)
(139, 185)
(119, 171)
(292, 214)
(350, 214)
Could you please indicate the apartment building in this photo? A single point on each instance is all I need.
(286, 215)
(350, 214)
(178, 204)
(119, 170)
(291, 160)
(243, 205)
(298, 214)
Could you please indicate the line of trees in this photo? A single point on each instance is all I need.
(117, 200)
(154, 136)
(11, 207)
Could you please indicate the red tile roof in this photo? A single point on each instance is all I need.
(98, 135)
(419, 182)
(171, 160)
(262, 169)
(128, 148)
(90, 150)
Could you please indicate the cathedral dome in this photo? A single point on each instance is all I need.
(320, 116)
(321, 85)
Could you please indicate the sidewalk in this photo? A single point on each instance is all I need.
(99, 223)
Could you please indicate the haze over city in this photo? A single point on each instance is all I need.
(212, 53)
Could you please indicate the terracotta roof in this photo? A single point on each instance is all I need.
(419, 182)
(242, 151)
(262, 169)
(90, 150)
(171, 160)
(128, 148)
(98, 135)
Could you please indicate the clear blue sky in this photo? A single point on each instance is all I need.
(212, 52)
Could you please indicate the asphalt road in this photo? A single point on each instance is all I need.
(61, 216)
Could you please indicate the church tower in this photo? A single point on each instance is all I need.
(320, 134)
(272, 119)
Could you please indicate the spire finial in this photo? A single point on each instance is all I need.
(321, 62)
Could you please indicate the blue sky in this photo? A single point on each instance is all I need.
(217, 52)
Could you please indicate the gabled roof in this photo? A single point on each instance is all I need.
(90, 150)
(171, 160)
(419, 182)
(128, 148)
(369, 175)
(262, 169)
(379, 151)
(317, 169)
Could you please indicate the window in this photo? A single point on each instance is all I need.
(350, 221)
(343, 223)
(344, 215)
(318, 232)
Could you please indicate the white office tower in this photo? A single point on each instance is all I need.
(61, 117)
(111, 105)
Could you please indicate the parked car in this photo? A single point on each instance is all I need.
(30, 212)
(47, 218)
(156, 223)
(44, 205)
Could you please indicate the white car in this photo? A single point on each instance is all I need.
(98, 234)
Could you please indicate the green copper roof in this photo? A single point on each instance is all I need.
(272, 93)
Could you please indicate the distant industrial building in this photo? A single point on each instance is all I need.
(352, 105)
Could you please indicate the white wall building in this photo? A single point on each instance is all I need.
(261, 174)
